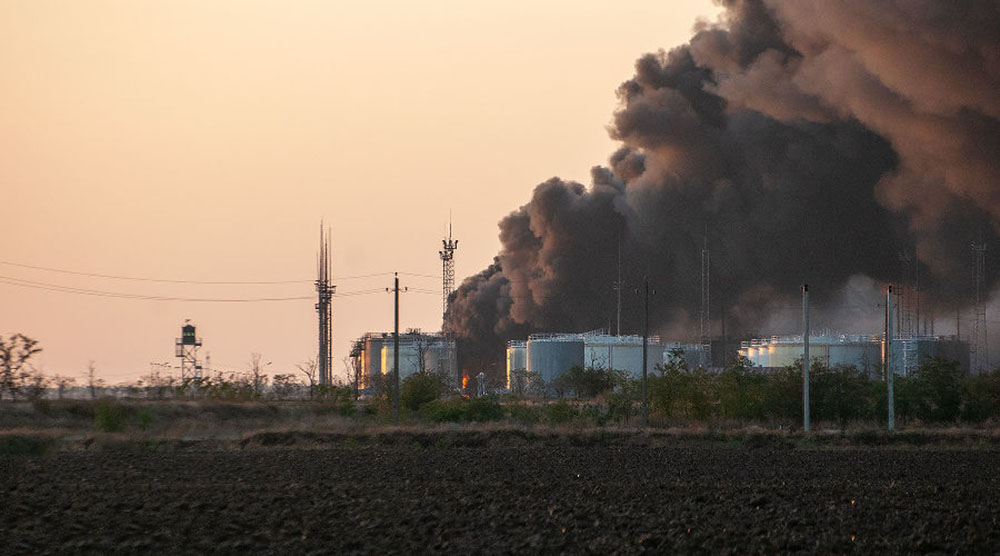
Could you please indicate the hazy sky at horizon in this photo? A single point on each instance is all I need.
(196, 140)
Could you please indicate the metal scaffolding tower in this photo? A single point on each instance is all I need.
(186, 349)
(324, 307)
(447, 254)
(979, 346)
(706, 324)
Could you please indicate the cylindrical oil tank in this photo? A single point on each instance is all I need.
(785, 354)
(517, 358)
(550, 356)
(861, 355)
(621, 353)
(763, 354)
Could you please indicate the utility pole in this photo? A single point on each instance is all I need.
(706, 323)
(888, 359)
(395, 350)
(805, 357)
(645, 349)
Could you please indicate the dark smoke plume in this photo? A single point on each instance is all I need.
(808, 141)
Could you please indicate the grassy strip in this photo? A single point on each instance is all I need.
(27, 444)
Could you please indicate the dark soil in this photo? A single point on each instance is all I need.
(532, 498)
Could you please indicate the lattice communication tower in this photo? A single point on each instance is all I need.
(324, 307)
(447, 254)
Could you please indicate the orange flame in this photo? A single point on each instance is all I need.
(465, 381)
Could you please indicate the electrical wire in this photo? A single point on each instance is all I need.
(146, 297)
(205, 282)
(165, 280)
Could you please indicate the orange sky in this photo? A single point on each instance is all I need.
(205, 140)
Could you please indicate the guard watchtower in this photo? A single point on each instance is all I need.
(186, 349)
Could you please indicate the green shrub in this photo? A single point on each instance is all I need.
(447, 411)
(560, 412)
(595, 414)
(587, 382)
(484, 409)
(457, 410)
(525, 414)
(110, 417)
(145, 418)
(621, 401)
(20, 445)
(419, 389)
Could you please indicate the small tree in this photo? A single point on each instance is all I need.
(419, 389)
(33, 383)
(15, 354)
(283, 386)
(63, 383)
(257, 378)
(93, 383)
(309, 369)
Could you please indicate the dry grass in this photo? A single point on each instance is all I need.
(70, 425)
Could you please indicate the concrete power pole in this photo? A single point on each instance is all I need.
(395, 349)
(645, 349)
(805, 357)
(887, 355)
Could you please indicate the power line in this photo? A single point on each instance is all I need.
(146, 297)
(144, 279)
(205, 282)
(414, 274)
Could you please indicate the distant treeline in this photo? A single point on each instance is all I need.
(938, 392)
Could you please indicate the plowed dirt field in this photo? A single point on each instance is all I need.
(524, 499)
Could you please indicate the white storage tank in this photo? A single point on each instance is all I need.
(860, 351)
(689, 353)
(551, 355)
(621, 353)
(428, 352)
(517, 357)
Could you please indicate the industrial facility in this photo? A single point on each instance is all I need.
(910, 352)
(552, 355)
(692, 355)
(373, 355)
(517, 359)
(549, 356)
(858, 350)
(621, 353)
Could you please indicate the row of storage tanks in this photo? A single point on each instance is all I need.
(549, 356)
(861, 351)
(373, 355)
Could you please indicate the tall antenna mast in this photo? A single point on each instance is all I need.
(706, 324)
(905, 306)
(978, 346)
(324, 307)
(447, 254)
(618, 285)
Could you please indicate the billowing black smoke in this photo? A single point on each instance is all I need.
(807, 141)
